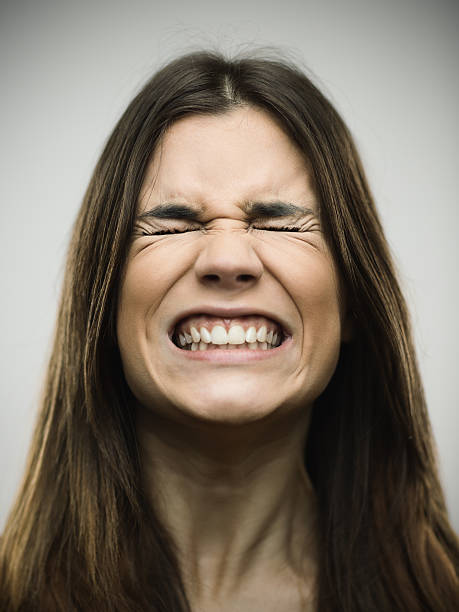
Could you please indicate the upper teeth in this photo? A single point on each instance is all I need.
(235, 335)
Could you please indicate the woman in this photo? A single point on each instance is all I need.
(233, 417)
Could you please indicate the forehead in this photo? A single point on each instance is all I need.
(227, 159)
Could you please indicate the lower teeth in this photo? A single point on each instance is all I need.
(202, 346)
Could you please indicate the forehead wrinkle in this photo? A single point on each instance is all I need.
(304, 200)
(197, 178)
(266, 187)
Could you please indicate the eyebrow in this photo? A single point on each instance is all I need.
(171, 211)
(253, 210)
(269, 210)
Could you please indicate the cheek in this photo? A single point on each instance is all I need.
(148, 276)
(316, 295)
(319, 304)
(136, 298)
(139, 298)
(313, 284)
(143, 285)
(147, 279)
(128, 328)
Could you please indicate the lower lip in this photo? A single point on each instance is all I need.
(233, 355)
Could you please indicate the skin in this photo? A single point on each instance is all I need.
(222, 441)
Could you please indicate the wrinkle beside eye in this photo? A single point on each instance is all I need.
(304, 240)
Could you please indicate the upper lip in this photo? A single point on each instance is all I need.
(226, 312)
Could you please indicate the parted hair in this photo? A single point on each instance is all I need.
(81, 535)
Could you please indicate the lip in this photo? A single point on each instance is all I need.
(226, 312)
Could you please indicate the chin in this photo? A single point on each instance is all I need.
(227, 409)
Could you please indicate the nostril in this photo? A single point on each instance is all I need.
(245, 278)
(240, 278)
(213, 278)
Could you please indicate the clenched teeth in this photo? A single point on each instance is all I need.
(219, 335)
(203, 346)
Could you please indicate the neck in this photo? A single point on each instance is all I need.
(236, 500)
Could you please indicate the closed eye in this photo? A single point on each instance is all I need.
(162, 232)
(290, 228)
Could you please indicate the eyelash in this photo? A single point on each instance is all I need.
(174, 231)
(162, 232)
(287, 228)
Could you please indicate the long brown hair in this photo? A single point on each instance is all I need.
(81, 535)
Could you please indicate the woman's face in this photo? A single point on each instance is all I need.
(228, 249)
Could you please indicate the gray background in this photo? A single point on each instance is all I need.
(69, 69)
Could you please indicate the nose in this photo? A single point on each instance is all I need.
(228, 261)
